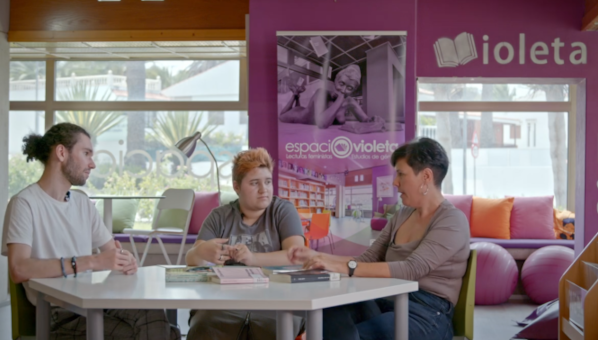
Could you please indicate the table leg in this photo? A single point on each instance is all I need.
(402, 317)
(284, 325)
(95, 324)
(42, 318)
(314, 325)
(172, 316)
(108, 213)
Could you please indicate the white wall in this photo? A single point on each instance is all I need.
(4, 76)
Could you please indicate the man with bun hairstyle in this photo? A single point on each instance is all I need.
(50, 231)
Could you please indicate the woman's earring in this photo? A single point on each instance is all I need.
(425, 192)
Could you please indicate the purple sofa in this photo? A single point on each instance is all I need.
(520, 248)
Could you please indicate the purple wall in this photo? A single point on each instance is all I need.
(378, 172)
(502, 21)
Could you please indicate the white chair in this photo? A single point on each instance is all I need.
(182, 199)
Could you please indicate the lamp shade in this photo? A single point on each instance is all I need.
(187, 144)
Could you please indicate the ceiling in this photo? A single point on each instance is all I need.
(129, 50)
(344, 50)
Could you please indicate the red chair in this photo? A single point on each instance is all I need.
(318, 229)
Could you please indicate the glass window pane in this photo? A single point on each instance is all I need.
(27, 81)
(520, 153)
(134, 152)
(21, 173)
(493, 92)
(159, 80)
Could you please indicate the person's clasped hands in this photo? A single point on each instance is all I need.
(116, 259)
(218, 251)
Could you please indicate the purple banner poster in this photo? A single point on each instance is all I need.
(341, 114)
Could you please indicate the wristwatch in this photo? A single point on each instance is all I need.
(352, 265)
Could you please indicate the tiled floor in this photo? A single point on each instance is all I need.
(490, 322)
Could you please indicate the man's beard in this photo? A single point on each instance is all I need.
(70, 172)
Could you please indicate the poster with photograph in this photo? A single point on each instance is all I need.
(341, 114)
(385, 188)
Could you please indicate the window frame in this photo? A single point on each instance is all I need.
(571, 107)
(50, 106)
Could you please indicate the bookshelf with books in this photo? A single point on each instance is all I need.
(303, 194)
(578, 296)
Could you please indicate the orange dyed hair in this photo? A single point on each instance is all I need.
(246, 161)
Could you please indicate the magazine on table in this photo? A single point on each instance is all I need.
(240, 274)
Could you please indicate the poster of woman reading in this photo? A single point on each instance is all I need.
(340, 115)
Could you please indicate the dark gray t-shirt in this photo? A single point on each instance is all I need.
(278, 222)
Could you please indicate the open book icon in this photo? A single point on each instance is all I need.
(450, 53)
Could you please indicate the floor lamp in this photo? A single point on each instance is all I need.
(187, 146)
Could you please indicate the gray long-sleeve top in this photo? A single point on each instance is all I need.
(437, 261)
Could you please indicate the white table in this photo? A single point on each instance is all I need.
(108, 205)
(90, 293)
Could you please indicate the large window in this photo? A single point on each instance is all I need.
(502, 139)
(358, 198)
(135, 112)
(156, 80)
(20, 172)
(27, 81)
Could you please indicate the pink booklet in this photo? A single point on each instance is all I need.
(231, 275)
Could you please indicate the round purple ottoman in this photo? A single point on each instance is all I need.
(496, 274)
(542, 271)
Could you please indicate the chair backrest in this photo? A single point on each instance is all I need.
(181, 202)
(463, 317)
(22, 312)
(320, 221)
(205, 202)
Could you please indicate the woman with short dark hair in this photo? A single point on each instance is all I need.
(427, 241)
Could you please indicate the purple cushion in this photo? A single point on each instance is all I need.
(532, 218)
(461, 202)
(524, 243)
(204, 203)
(124, 238)
(378, 223)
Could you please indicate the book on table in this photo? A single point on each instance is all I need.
(187, 274)
(305, 276)
(240, 274)
(281, 269)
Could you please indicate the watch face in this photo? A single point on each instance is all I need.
(352, 264)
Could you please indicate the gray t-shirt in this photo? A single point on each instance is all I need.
(278, 222)
(51, 228)
(438, 261)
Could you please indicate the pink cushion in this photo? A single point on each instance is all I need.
(204, 203)
(461, 202)
(532, 218)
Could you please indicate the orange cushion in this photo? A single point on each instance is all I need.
(491, 217)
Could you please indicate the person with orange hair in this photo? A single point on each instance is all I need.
(256, 230)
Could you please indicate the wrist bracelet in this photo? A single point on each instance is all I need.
(74, 264)
(62, 266)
